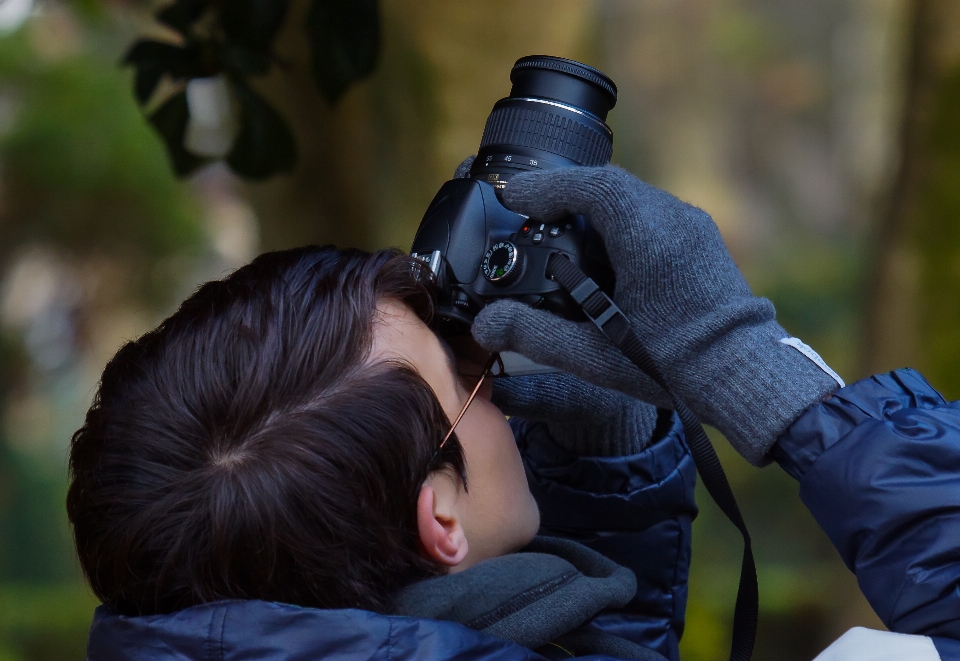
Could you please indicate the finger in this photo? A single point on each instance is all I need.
(550, 194)
(645, 230)
(637, 221)
(558, 397)
(579, 416)
(576, 348)
(463, 170)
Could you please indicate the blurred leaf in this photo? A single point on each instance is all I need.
(344, 36)
(244, 60)
(182, 14)
(264, 145)
(170, 120)
(252, 24)
(153, 59)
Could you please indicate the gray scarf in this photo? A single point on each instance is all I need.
(536, 597)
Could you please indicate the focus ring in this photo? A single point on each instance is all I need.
(548, 132)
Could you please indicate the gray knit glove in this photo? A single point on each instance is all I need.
(718, 346)
(598, 361)
(582, 418)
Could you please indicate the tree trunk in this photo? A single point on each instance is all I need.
(369, 166)
(913, 315)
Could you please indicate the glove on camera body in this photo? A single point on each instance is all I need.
(479, 250)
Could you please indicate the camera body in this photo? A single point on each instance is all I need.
(480, 251)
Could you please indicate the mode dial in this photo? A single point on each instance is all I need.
(502, 263)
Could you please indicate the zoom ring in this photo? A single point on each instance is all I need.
(547, 132)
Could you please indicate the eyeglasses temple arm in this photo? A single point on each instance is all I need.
(494, 358)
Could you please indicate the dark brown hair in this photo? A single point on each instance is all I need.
(247, 449)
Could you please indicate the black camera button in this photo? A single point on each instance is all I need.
(555, 231)
(538, 238)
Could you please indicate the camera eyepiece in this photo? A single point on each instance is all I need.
(554, 117)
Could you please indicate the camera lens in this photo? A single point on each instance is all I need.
(554, 117)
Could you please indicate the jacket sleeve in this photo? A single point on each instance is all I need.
(879, 468)
(636, 510)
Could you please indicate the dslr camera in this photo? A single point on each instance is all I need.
(478, 250)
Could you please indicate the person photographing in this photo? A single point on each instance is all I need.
(295, 466)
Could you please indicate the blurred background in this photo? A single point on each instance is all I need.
(823, 136)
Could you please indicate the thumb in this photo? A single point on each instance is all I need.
(576, 348)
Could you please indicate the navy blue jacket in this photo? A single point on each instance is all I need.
(637, 510)
(879, 468)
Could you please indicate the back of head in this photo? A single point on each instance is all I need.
(247, 448)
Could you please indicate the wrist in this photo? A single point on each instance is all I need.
(750, 385)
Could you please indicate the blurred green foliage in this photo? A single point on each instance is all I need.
(82, 170)
(816, 287)
(45, 622)
(36, 547)
(936, 235)
(84, 174)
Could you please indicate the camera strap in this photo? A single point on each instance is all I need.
(614, 324)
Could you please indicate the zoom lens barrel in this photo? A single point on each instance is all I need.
(554, 117)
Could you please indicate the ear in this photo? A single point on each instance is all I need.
(441, 533)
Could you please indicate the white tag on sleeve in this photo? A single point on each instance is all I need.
(807, 351)
(861, 644)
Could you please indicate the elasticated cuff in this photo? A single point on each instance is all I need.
(751, 387)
